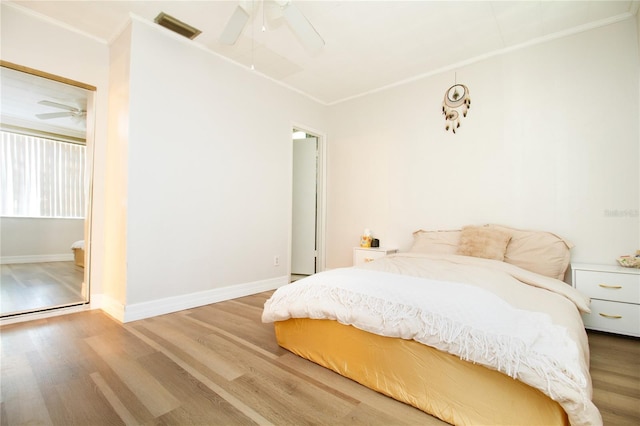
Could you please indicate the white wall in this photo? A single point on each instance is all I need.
(29, 40)
(38, 238)
(206, 202)
(209, 169)
(551, 142)
(116, 159)
(192, 193)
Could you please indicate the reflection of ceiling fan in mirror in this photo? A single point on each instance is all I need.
(274, 10)
(76, 114)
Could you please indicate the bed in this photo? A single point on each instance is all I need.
(473, 326)
(78, 253)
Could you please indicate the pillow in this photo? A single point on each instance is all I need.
(485, 242)
(435, 242)
(541, 252)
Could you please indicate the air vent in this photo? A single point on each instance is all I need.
(176, 26)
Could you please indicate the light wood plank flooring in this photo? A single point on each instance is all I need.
(219, 365)
(34, 286)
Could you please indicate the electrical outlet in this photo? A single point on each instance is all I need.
(276, 260)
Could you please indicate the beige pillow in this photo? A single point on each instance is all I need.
(485, 242)
(537, 251)
(435, 242)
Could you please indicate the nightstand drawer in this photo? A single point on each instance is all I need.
(366, 255)
(613, 317)
(609, 286)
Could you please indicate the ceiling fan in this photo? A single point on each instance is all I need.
(69, 111)
(299, 24)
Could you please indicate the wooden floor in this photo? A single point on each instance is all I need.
(219, 365)
(34, 286)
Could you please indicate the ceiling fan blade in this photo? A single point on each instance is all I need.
(273, 14)
(235, 26)
(57, 105)
(302, 28)
(50, 115)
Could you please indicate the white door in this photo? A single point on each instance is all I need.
(303, 244)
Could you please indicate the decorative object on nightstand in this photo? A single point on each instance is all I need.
(630, 261)
(363, 255)
(365, 240)
(615, 297)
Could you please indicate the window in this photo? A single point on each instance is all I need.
(41, 177)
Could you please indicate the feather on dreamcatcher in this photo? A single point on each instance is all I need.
(456, 97)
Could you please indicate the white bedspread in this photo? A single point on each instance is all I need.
(497, 324)
(78, 245)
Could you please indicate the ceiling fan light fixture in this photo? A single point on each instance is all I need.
(273, 12)
(177, 26)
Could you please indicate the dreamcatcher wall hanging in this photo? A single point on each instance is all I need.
(456, 101)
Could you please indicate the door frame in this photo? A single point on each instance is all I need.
(321, 195)
(89, 180)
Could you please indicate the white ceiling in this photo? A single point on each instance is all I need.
(369, 45)
(20, 96)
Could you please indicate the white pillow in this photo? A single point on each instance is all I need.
(435, 242)
(537, 251)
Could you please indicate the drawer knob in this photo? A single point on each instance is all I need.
(610, 316)
(369, 259)
(610, 286)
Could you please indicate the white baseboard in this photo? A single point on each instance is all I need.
(37, 258)
(137, 311)
(127, 313)
(108, 305)
(44, 314)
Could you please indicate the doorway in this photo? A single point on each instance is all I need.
(307, 224)
(46, 145)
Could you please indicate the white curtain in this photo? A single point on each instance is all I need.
(41, 177)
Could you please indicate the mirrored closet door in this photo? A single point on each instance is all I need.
(45, 176)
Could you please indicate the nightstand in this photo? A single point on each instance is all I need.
(363, 255)
(615, 297)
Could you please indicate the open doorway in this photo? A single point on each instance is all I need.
(307, 224)
(46, 141)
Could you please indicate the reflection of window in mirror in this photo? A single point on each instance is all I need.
(45, 170)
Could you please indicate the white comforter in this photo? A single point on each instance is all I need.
(488, 312)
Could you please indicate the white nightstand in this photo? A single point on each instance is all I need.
(615, 297)
(364, 255)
